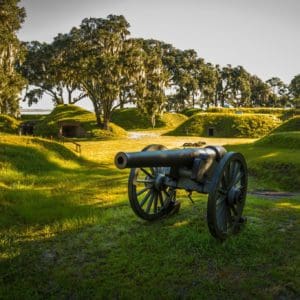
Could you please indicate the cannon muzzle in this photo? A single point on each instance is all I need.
(166, 158)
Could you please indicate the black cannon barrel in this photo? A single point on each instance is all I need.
(165, 158)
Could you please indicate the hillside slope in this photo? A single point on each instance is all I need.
(131, 119)
(274, 161)
(227, 125)
(292, 124)
(72, 113)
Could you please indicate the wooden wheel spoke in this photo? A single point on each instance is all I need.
(145, 198)
(155, 202)
(142, 191)
(161, 200)
(147, 173)
(236, 169)
(153, 171)
(222, 217)
(220, 200)
(150, 202)
(233, 209)
(166, 193)
(145, 180)
(236, 179)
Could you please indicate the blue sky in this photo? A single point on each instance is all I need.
(261, 35)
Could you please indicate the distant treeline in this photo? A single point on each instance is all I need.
(98, 60)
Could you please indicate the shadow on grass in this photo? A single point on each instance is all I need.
(123, 257)
(30, 160)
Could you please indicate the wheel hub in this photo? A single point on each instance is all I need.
(158, 181)
(234, 196)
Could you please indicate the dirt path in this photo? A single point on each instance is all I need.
(142, 134)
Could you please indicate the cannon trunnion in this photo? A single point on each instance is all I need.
(156, 173)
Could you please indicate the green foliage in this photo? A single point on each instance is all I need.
(295, 86)
(292, 124)
(49, 125)
(131, 118)
(152, 98)
(228, 125)
(11, 54)
(93, 53)
(8, 124)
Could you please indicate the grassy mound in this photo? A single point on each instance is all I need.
(227, 125)
(246, 110)
(288, 140)
(130, 118)
(290, 113)
(191, 111)
(8, 124)
(33, 154)
(289, 125)
(32, 117)
(49, 125)
(274, 161)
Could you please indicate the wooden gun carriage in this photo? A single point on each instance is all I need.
(156, 173)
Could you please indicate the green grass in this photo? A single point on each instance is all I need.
(282, 140)
(274, 160)
(248, 110)
(49, 125)
(131, 119)
(227, 125)
(66, 231)
(292, 124)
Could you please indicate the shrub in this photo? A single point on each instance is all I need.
(8, 124)
(228, 125)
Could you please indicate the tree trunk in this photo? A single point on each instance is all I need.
(70, 96)
(106, 117)
(105, 125)
(153, 121)
(98, 115)
(122, 100)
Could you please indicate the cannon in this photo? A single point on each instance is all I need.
(156, 173)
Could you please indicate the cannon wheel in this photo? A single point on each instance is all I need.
(227, 196)
(147, 201)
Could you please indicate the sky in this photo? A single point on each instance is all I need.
(261, 35)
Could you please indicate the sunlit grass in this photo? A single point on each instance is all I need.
(67, 231)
